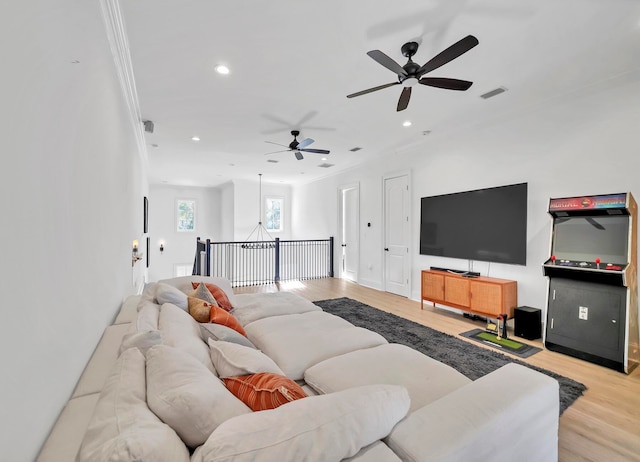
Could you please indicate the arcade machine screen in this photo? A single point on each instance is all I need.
(583, 240)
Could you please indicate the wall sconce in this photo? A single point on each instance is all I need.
(135, 255)
(161, 247)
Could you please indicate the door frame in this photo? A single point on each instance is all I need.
(341, 190)
(409, 261)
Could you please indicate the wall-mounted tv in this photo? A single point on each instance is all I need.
(485, 224)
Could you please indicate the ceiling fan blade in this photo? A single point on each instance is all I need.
(316, 151)
(299, 155)
(451, 53)
(364, 92)
(277, 144)
(403, 102)
(304, 143)
(448, 84)
(387, 62)
(275, 152)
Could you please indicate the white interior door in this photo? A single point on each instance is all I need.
(397, 261)
(350, 217)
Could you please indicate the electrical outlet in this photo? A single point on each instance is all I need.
(583, 313)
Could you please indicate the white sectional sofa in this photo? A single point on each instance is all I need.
(154, 390)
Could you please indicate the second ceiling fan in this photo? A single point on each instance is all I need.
(298, 147)
(412, 73)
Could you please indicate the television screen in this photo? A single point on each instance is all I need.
(485, 224)
(585, 238)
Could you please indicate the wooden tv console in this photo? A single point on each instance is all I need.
(480, 295)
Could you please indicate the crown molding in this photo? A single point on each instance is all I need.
(117, 37)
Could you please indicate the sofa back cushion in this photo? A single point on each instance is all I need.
(187, 396)
(122, 426)
(181, 331)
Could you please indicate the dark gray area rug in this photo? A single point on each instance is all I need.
(469, 359)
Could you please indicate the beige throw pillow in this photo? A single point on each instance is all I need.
(187, 396)
(231, 359)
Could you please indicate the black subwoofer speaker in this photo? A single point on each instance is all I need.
(527, 322)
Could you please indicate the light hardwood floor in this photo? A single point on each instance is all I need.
(601, 426)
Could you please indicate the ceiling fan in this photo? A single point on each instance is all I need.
(298, 147)
(411, 73)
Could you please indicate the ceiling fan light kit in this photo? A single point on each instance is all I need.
(412, 73)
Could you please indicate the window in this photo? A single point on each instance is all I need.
(182, 269)
(273, 214)
(186, 214)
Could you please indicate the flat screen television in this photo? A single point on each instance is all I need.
(484, 224)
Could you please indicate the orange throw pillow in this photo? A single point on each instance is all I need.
(264, 390)
(218, 294)
(219, 316)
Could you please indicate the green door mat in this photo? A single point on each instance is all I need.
(507, 345)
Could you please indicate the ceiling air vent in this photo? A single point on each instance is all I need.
(492, 93)
(273, 161)
(325, 165)
(356, 149)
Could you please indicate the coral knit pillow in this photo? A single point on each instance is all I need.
(264, 390)
(218, 294)
(218, 315)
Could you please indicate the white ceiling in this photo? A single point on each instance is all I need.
(293, 63)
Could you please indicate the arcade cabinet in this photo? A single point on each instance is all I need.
(592, 301)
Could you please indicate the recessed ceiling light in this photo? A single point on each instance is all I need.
(222, 69)
(406, 123)
(324, 158)
(195, 138)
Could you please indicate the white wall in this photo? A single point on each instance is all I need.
(579, 145)
(71, 189)
(179, 246)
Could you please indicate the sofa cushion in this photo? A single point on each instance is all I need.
(141, 340)
(217, 292)
(319, 428)
(166, 293)
(264, 390)
(376, 452)
(180, 330)
(97, 369)
(148, 315)
(298, 341)
(219, 332)
(251, 307)
(464, 424)
(122, 426)
(231, 359)
(128, 310)
(425, 378)
(187, 396)
(66, 436)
